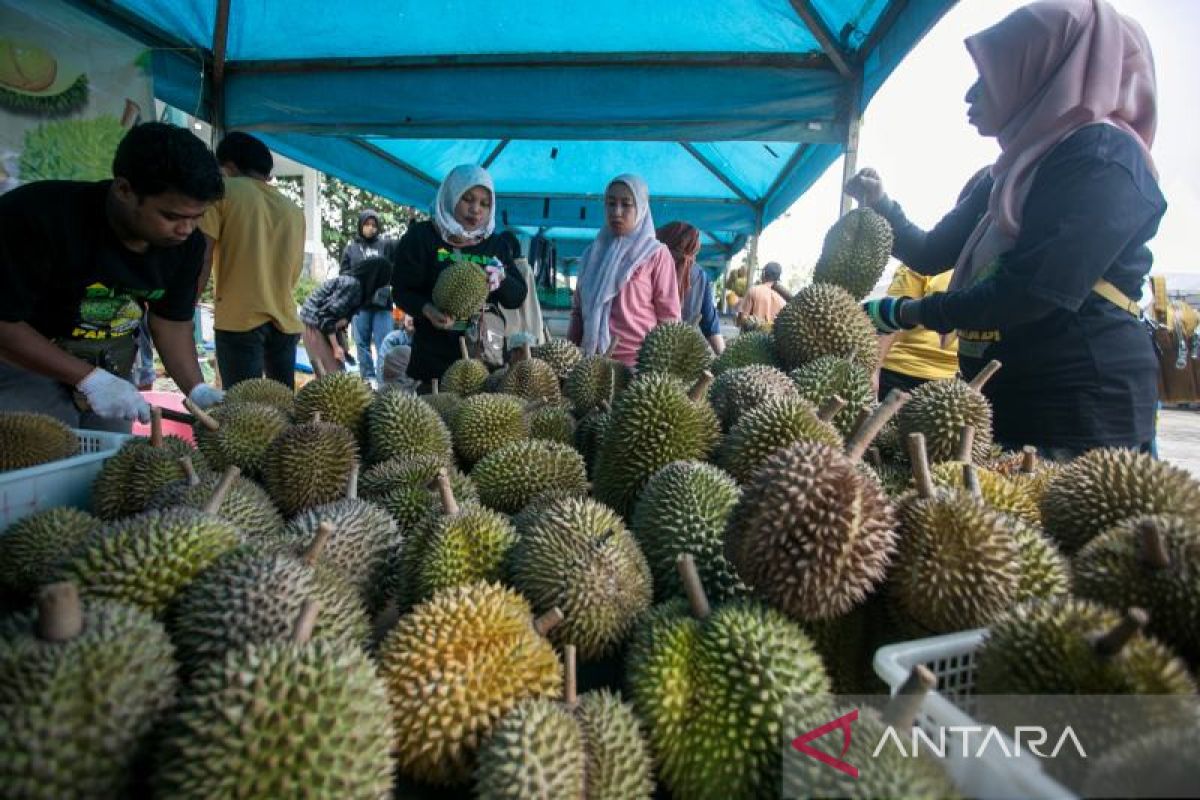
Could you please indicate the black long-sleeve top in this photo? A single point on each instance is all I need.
(416, 266)
(1078, 371)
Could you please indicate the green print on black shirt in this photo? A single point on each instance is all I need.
(106, 313)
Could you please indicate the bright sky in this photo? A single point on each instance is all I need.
(915, 133)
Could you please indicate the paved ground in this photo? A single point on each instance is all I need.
(1179, 438)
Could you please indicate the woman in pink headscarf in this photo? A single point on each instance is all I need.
(1049, 252)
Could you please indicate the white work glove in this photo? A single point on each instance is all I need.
(206, 396)
(495, 274)
(112, 397)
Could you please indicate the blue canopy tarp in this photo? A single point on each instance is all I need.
(729, 109)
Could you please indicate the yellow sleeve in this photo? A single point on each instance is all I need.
(907, 283)
(210, 223)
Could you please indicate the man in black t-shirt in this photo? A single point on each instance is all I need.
(79, 265)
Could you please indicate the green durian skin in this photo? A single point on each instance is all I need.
(855, 252)
(28, 439)
(677, 349)
(32, 548)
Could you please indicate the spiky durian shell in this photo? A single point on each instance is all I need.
(822, 378)
(510, 477)
(363, 535)
(531, 379)
(262, 390)
(309, 465)
(28, 439)
(560, 354)
(455, 549)
(486, 422)
(824, 320)
(246, 431)
(593, 379)
(340, 397)
(32, 548)
(746, 349)
(246, 505)
(403, 426)
(855, 252)
(674, 348)
(460, 289)
(773, 425)
(939, 410)
(465, 377)
(738, 391)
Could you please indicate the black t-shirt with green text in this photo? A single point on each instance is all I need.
(64, 272)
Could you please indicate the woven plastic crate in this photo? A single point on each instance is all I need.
(60, 483)
(952, 659)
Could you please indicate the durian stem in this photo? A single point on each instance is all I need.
(313, 554)
(433, 386)
(203, 417)
(692, 585)
(966, 444)
(872, 425)
(613, 344)
(1154, 549)
(218, 495)
(701, 387)
(830, 408)
(462, 348)
(570, 686)
(1108, 644)
(305, 622)
(352, 481)
(980, 380)
(1028, 459)
(156, 426)
(604, 406)
(189, 470)
(60, 614)
(901, 710)
(526, 351)
(449, 504)
(548, 621)
(316, 418)
(920, 465)
(875, 457)
(971, 480)
(318, 367)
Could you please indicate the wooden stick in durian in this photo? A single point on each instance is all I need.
(433, 386)
(462, 348)
(920, 465)
(302, 631)
(830, 408)
(60, 613)
(156, 434)
(218, 496)
(1153, 548)
(984, 375)
(971, 480)
(693, 586)
(203, 417)
(526, 351)
(1108, 644)
(862, 437)
(189, 471)
(966, 444)
(901, 710)
(570, 684)
(352, 481)
(701, 386)
(1028, 459)
(446, 492)
(548, 621)
(317, 546)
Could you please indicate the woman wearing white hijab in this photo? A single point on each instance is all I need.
(627, 281)
(462, 221)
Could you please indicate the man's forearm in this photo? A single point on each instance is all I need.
(177, 346)
(23, 346)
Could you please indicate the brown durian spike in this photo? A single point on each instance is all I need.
(570, 684)
(317, 546)
(830, 408)
(60, 613)
(1153, 548)
(692, 585)
(920, 465)
(966, 445)
(1028, 459)
(446, 492)
(613, 344)
(189, 471)
(701, 386)
(462, 348)
(156, 433)
(901, 710)
(218, 496)
(980, 380)
(1107, 645)
(352, 481)
(433, 386)
(872, 425)
(971, 480)
(305, 622)
(548, 621)
(203, 417)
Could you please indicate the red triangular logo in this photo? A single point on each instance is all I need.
(801, 743)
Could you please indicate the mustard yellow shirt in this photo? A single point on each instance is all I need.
(919, 352)
(257, 258)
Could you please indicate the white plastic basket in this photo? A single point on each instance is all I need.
(60, 483)
(952, 659)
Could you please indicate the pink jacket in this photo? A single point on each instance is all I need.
(649, 297)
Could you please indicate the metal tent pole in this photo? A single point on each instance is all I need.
(752, 266)
(853, 124)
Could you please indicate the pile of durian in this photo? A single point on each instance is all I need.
(350, 594)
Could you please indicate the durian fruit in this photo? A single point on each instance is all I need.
(886, 771)
(675, 348)
(957, 566)
(465, 544)
(1159, 764)
(593, 379)
(401, 486)
(81, 686)
(654, 422)
(737, 391)
(237, 433)
(510, 477)
(246, 505)
(822, 378)
(685, 508)
(111, 495)
(252, 596)
(460, 289)
(146, 560)
(262, 390)
(846, 647)
(1045, 573)
(773, 425)
(940, 409)
(466, 376)
(824, 320)
(811, 534)
(711, 688)
(531, 379)
(855, 252)
(486, 422)
(445, 403)
(747, 349)
(1015, 498)
(341, 398)
(1151, 562)
(33, 547)
(309, 464)
(403, 426)
(292, 718)
(32, 82)
(28, 439)
(577, 555)
(1024, 468)
(586, 747)
(589, 433)
(552, 422)
(1104, 487)
(453, 667)
(560, 354)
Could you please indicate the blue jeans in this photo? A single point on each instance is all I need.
(370, 327)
